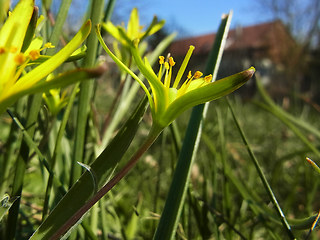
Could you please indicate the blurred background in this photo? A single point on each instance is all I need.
(280, 38)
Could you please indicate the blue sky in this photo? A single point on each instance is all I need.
(196, 17)
(190, 17)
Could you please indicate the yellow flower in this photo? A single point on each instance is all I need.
(170, 98)
(55, 100)
(17, 49)
(134, 30)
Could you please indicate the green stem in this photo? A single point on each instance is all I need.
(85, 94)
(57, 149)
(262, 176)
(176, 196)
(21, 165)
(60, 20)
(153, 135)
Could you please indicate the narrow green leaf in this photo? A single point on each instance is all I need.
(102, 168)
(60, 81)
(5, 204)
(31, 29)
(48, 66)
(264, 180)
(301, 123)
(86, 92)
(175, 199)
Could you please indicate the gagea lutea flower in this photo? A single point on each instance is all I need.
(172, 97)
(17, 49)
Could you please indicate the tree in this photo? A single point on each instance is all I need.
(302, 19)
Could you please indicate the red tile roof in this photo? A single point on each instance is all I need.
(256, 36)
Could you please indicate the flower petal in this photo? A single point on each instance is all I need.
(133, 25)
(204, 94)
(12, 35)
(55, 61)
(60, 81)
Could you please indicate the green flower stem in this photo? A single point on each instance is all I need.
(60, 20)
(85, 94)
(124, 104)
(57, 148)
(83, 190)
(109, 10)
(114, 104)
(262, 177)
(153, 135)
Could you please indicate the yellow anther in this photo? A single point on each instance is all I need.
(48, 45)
(34, 54)
(161, 60)
(171, 61)
(19, 58)
(2, 50)
(189, 75)
(208, 78)
(197, 74)
(166, 65)
(13, 49)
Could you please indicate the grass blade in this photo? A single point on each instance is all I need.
(102, 167)
(264, 180)
(86, 89)
(175, 200)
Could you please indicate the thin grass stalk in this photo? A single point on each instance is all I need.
(57, 149)
(175, 200)
(226, 186)
(54, 39)
(264, 180)
(58, 26)
(32, 145)
(153, 134)
(298, 122)
(101, 168)
(158, 177)
(294, 129)
(124, 80)
(22, 161)
(20, 169)
(272, 108)
(85, 94)
(11, 144)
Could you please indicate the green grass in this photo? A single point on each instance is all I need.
(249, 178)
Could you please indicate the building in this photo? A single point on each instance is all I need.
(268, 47)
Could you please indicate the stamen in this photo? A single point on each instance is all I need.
(208, 78)
(167, 76)
(34, 54)
(197, 74)
(13, 49)
(2, 50)
(48, 45)
(171, 61)
(189, 75)
(161, 60)
(19, 58)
